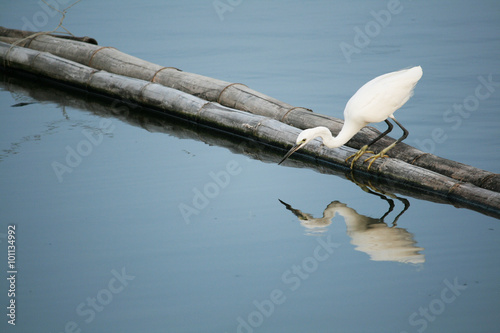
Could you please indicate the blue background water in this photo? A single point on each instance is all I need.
(244, 262)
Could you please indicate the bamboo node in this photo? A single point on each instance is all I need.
(90, 78)
(224, 89)
(457, 185)
(295, 107)
(34, 58)
(201, 108)
(158, 71)
(95, 52)
(486, 179)
(141, 92)
(416, 158)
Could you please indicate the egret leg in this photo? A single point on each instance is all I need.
(385, 150)
(363, 149)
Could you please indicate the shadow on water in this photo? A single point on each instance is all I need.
(382, 241)
(29, 89)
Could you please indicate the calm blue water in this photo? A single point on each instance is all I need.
(159, 226)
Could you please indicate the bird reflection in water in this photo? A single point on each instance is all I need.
(370, 235)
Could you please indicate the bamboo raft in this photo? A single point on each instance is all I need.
(237, 109)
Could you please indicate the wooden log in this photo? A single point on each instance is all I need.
(250, 127)
(19, 34)
(265, 129)
(243, 98)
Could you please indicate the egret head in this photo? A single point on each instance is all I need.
(304, 137)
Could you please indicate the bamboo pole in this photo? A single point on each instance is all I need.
(16, 34)
(264, 129)
(241, 97)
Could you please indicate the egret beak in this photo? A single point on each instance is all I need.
(293, 150)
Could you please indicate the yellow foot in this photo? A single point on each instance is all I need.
(357, 155)
(379, 155)
(374, 157)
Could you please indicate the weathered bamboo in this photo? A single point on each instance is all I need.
(16, 34)
(235, 121)
(243, 98)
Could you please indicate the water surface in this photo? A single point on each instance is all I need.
(161, 225)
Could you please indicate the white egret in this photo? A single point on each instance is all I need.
(374, 102)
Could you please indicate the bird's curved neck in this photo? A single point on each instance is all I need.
(345, 134)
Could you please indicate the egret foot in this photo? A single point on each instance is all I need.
(373, 158)
(358, 154)
(379, 155)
